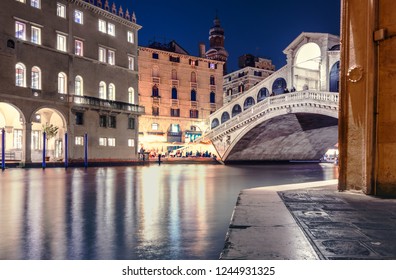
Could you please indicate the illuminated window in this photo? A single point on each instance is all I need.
(78, 17)
(35, 3)
(79, 140)
(111, 29)
(17, 138)
(102, 90)
(102, 54)
(131, 95)
(78, 48)
(61, 42)
(154, 126)
(131, 62)
(78, 86)
(36, 78)
(111, 142)
(20, 30)
(102, 141)
(22, 1)
(102, 26)
(36, 35)
(111, 57)
(131, 142)
(130, 37)
(20, 75)
(111, 92)
(61, 10)
(62, 83)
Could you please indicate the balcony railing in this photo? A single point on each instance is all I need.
(105, 104)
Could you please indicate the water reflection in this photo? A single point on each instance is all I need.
(145, 212)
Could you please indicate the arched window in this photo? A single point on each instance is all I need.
(335, 77)
(78, 86)
(193, 95)
(249, 102)
(62, 83)
(174, 93)
(241, 88)
(20, 75)
(155, 91)
(236, 110)
(212, 97)
(215, 123)
(262, 94)
(279, 86)
(212, 80)
(102, 90)
(36, 77)
(112, 93)
(225, 117)
(193, 77)
(174, 74)
(229, 91)
(131, 95)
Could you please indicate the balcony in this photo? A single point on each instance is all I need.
(104, 104)
(193, 85)
(156, 100)
(174, 83)
(212, 88)
(174, 103)
(194, 104)
(155, 80)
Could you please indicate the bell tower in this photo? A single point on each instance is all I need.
(216, 43)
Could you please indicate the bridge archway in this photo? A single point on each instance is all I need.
(262, 94)
(307, 67)
(236, 110)
(279, 86)
(225, 117)
(249, 102)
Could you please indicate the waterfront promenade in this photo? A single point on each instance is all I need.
(311, 221)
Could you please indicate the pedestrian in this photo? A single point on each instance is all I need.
(159, 158)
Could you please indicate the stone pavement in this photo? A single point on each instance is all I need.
(311, 221)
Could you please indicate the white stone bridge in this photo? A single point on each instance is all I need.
(290, 115)
(293, 126)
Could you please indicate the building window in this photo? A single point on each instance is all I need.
(102, 121)
(174, 93)
(131, 123)
(102, 90)
(78, 47)
(193, 95)
(111, 93)
(17, 139)
(102, 26)
(212, 97)
(102, 54)
(36, 140)
(175, 128)
(78, 17)
(131, 95)
(35, 3)
(174, 74)
(62, 83)
(258, 73)
(131, 142)
(20, 30)
(212, 65)
(112, 121)
(130, 37)
(79, 140)
(111, 57)
(111, 29)
(20, 75)
(36, 35)
(174, 59)
(212, 80)
(175, 112)
(155, 91)
(61, 42)
(22, 1)
(36, 78)
(131, 62)
(102, 141)
(193, 77)
(79, 118)
(78, 86)
(61, 10)
(194, 114)
(155, 55)
(154, 126)
(155, 111)
(111, 142)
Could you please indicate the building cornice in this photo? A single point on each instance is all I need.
(106, 14)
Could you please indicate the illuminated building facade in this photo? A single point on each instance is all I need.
(70, 64)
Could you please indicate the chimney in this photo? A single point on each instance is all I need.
(202, 50)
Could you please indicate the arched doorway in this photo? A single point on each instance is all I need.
(335, 77)
(307, 67)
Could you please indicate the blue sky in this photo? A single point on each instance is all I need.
(259, 27)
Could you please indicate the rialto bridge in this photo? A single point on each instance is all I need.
(291, 115)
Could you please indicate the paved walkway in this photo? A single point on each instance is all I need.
(311, 221)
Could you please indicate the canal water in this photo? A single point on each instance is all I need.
(172, 211)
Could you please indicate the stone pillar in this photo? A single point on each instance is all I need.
(27, 143)
(367, 138)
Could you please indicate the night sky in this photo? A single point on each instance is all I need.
(260, 27)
